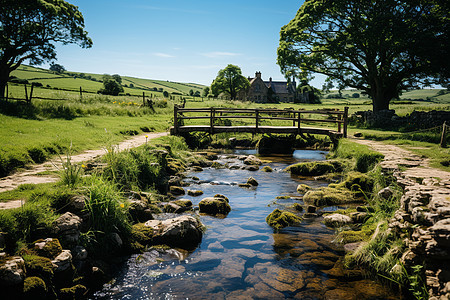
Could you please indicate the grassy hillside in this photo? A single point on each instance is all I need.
(93, 82)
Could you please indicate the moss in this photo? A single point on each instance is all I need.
(303, 188)
(141, 235)
(352, 236)
(177, 190)
(315, 168)
(217, 165)
(222, 196)
(283, 197)
(39, 266)
(194, 193)
(76, 292)
(214, 206)
(279, 219)
(359, 183)
(185, 203)
(328, 196)
(175, 166)
(155, 209)
(297, 207)
(267, 169)
(51, 249)
(34, 288)
(346, 212)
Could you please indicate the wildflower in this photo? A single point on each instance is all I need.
(122, 205)
(146, 136)
(83, 166)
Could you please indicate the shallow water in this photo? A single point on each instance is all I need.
(241, 257)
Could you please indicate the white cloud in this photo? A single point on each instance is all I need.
(164, 55)
(217, 54)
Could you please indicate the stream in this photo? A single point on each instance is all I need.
(240, 256)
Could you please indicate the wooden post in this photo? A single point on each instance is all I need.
(31, 92)
(345, 120)
(26, 92)
(443, 136)
(298, 123)
(81, 93)
(257, 120)
(211, 120)
(175, 119)
(339, 118)
(143, 98)
(293, 120)
(7, 92)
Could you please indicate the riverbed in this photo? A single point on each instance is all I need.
(240, 256)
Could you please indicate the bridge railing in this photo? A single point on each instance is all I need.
(257, 118)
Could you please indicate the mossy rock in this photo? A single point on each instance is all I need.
(39, 266)
(328, 197)
(352, 236)
(315, 168)
(194, 193)
(297, 207)
(303, 188)
(140, 236)
(185, 203)
(51, 249)
(34, 288)
(279, 219)
(267, 169)
(282, 197)
(76, 292)
(217, 165)
(177, 190)
(358, 182)
(214, 206)
(222, 196)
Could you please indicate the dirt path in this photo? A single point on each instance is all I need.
(416, 168)
(32, 175)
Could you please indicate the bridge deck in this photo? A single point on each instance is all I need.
(260, 129)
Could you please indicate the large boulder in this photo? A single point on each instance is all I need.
(177, 190)
(140, 211)
(214, 206)
(184, 232)
(12, 272)
(66, 228)
(337, 220)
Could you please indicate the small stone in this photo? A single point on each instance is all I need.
(214, 206)
(252, 160)
(194, 193)
(245, 185)
(252, 181)
(177, 190)
(267, 169)
(337, 220)
(357, 134)
(386, 193)
(63, 261)
(251, 168)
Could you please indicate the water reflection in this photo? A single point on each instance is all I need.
(240, 257)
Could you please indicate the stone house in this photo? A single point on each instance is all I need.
(269, 91)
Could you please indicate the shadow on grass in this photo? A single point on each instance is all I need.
(24, 110)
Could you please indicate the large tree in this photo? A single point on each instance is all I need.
(29, 30)
(379, 46)
(229, 81)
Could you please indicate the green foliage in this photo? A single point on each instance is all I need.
(39, 266)
(70, 173)
(27, 37)
(379, 47)
(364, 158)
(315, 168)
(229, 81)
(106, 207)
(111, 86)
(59, 69)
(279, 219)
(34, 288)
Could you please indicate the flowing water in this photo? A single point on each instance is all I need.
(240, 256)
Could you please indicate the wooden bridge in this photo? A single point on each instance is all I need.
(284, 121)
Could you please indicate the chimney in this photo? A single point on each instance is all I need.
(258, 74)
(270, 79)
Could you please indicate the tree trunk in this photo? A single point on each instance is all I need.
(4, 76)
(382, 95)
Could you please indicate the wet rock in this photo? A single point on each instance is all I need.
(311, 209)
(177, 190)
(63, 261)
(197, 169)
(297, 207)
(79, 253)
(279, 219)
(214, 206)
(328, 196)
(12, 272)
(245, 185)
(175, 181)
(267, 169)
(66, 228)
(184, 231)
(252, 160)
(140, 211)
(234, 167)
(252, 181)
(178, 206)
(194, 193)
(337, 220)
(252, 168)
(222, 197)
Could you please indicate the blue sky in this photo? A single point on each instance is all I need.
(179, 40)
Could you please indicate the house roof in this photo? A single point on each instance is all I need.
(280, 87)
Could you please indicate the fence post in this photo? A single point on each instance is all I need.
(339, 118)
(31, 92)
(293, 120)
(26, 92)
(443, 143)
(211, 120)
(256, 120)
(143, 98)
(81, 93)
(345, 120)
(298, 123)
(175, 119)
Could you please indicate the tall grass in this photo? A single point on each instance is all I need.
(364, 158)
